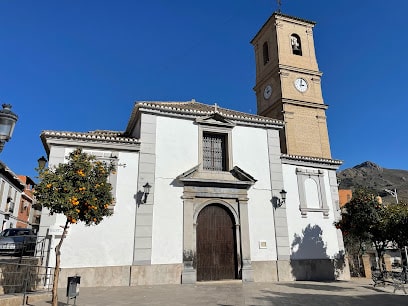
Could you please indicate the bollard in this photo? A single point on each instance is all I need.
(73, 288)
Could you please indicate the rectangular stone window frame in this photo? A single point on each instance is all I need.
(224, 131)
(318, 176)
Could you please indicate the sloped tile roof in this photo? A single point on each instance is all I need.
(308, 159)
(97, 135)
(197, 109)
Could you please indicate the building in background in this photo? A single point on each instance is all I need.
(29, 214)
(11, 189)
(345, 196)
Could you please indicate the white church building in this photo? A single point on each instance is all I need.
(233, 195)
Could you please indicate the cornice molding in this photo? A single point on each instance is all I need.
(318, 162)
(236, 178)
(283, 68)
(278, 18)
(95, 140)
(305, 103)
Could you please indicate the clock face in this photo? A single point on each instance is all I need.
(301, 84)
(267, 91)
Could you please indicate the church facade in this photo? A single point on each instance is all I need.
(233, 195)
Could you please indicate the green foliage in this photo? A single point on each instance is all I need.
(360, 214)
(363, 221)
(366, 219)
(78, 189)
(398, 223)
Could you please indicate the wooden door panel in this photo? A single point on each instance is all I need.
(216, 251)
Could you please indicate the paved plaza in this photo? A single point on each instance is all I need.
(355, 292)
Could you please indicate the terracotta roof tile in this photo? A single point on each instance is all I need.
(197, 108)
(97, 135)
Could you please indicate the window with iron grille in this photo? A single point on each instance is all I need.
(214, 152)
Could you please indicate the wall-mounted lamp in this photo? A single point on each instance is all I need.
(42, 161)
(146, 191)
(282, 200)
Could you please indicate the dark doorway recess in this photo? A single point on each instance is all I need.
(216, 244)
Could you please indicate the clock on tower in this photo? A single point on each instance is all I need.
(286, 62)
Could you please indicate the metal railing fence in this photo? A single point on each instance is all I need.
(27, 271)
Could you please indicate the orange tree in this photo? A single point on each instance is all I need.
(79, 189)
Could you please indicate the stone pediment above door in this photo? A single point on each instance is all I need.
(215, 119)
(236, 178)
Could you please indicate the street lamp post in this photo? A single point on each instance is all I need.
(42, 161)
(393, 193)
(7, 122)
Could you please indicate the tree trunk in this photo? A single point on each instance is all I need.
(57, 267)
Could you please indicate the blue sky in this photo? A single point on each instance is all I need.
(75, 65)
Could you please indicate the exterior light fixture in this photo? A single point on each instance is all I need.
(282, 200)
(7, 122)
(42, 161)
(146, 191)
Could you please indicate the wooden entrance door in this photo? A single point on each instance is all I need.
(216, 251)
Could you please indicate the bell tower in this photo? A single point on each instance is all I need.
(288, 84)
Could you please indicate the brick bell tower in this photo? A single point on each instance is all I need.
(288, 84)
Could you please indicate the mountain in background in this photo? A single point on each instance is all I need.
(376, 178)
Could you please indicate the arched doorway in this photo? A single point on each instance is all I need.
(216, 244)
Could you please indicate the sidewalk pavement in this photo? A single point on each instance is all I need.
(229, 293)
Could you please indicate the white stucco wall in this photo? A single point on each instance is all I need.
(321, 239)
(261, 226)
(111, 242)
(176, 152)
(250, 153)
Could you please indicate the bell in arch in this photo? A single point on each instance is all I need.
(295, 42)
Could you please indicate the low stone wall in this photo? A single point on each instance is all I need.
(156, 274)
(123, 275)
(265, 271)
(97, 276)
(319, 270)
(292, 270)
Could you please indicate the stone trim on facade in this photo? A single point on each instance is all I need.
(144, 211)
(324, 163)
(202, 188)
(215, 124)
(317, 177)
